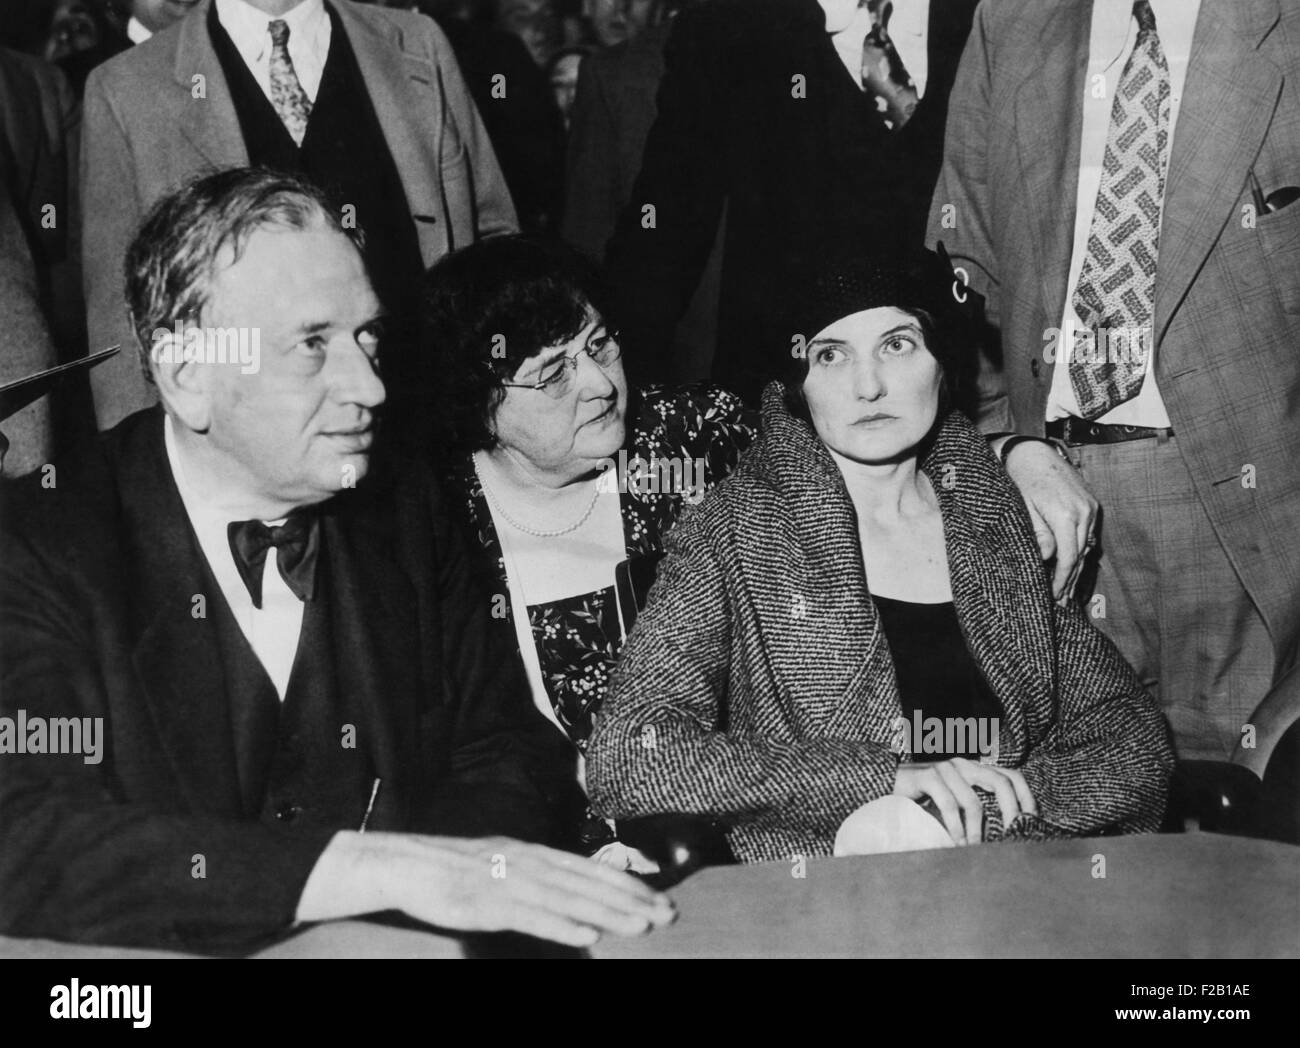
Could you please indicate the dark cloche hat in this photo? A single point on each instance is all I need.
(838, 285)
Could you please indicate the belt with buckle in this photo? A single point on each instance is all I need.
(1080, 431)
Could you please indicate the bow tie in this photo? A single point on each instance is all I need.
(297, 544)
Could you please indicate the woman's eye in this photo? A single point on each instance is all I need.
(828, 355)
(313, 344)
(900, 344)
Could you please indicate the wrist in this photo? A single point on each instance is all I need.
(1012, 441)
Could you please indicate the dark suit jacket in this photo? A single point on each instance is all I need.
(758, 688)
(525, 126)
(613, 111)
(146, 133)
(1227, 296)
(40, 295)
(803, 166)
(97, 585)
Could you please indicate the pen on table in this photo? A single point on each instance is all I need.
(370, 805)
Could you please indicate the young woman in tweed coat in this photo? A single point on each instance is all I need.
(870, 562)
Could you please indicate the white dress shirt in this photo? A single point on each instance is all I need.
(137, 32)
(272, 630)
(309, 40)
(908, 28)
(1114, 34)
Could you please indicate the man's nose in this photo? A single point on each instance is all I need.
(357, 377)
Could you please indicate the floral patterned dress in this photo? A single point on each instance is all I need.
(680, 443)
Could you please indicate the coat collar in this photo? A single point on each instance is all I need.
(1231, 94)
(999, 584)
(1049, 124)
(175, 654)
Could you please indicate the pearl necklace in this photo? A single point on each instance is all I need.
(495, 502)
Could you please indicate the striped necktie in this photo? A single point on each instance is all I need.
(1115, 296)
(288, 97)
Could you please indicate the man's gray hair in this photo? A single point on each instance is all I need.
(172, 260)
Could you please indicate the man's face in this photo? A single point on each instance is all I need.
(157, 15)
(839, 13)
(614, 21)
(299, 428)
(535, 23)
(72, 29)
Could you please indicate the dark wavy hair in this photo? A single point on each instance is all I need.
(489, 307)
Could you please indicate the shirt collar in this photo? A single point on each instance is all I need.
(247, 26)
(208, 520)
(137, 32)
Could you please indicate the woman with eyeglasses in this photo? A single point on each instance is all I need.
(566, 479)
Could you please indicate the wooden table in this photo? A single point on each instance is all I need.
(1183, 895)
(1193, 895)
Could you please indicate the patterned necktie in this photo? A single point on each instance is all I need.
(1115, 296)
(288, 97)
(883, 72)
(297, 546)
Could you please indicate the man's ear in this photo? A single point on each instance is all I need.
(184, 380)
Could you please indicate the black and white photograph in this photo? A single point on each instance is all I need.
(651, 479)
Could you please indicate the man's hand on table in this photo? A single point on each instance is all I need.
(480, 885)
(1062, 509)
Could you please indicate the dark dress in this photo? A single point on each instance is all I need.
(578, 638)
(938, 679)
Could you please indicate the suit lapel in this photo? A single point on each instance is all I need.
(211, 124)
(1228, 103)
(1049, 123)
(376, 639)
(390, 73)
(176, 655)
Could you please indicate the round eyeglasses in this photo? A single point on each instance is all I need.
(558, 379)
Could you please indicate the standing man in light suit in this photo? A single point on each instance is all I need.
(1130, 169)
(365, 101)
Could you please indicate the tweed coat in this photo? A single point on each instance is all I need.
(757, 686)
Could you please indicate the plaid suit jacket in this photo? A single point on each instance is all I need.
(1227, 308)
(757, 686)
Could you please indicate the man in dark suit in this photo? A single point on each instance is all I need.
(365, 101)
(1132, 169)
(764, 105)
(40, 297)
(272, 648)
(514, 99)
(613, 112)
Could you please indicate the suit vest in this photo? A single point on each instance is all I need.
(344, 152)
(294, 761)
